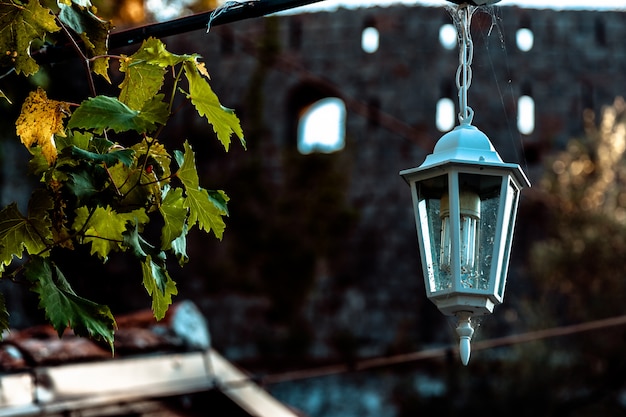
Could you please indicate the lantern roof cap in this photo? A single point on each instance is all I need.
(465, 143)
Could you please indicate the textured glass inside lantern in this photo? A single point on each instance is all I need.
(488, 188)
(429, 227)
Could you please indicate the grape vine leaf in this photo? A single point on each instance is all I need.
(153, 113)
(187, 172)
(83, 185)
(20, 24)
(223, 120)
(125, 156)
(179, 247)
(64, 308)
(137, 187)
(142, 79)
(17, 232)
(174, 216)
(104, 227)
(219, 200)
(4, 316)
(39, 121)
(93, 31)
(103, 112)
(155, 155)
(202, 210)
(159, 285)
(156, 279)
(154, 52)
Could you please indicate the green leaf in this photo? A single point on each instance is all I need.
(21, 24)
(17, 232)
(83, 185)
(142, 80)
(159, 285)
(137, 244)
(207, 104)
(219, 200)
(125, 156)
(179, 247)
(153, 113)
(153, 52)
(100, 145)
(139, 188)
(102, 112)
(64, 308)
(105, 228)
(4, 316)
(187, 172)
(203, 212)
(93, 31)
(174, 216)
(78, 139)
(157, 156)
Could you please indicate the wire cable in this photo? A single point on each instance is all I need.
(441, 352)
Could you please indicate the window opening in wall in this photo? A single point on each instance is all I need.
(370, 39)
(322, 126)
(525, 39)
(448, 36)
(526, 115)
(445, 117)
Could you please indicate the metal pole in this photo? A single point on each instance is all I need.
(229, 13)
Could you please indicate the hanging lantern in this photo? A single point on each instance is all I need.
(465, 202)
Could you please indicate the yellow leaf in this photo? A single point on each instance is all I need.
(202, 69)
(39, 120)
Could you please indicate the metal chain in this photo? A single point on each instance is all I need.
(466, 56)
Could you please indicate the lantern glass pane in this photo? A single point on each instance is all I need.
(478, 229)
(508, 224)
(430, 192)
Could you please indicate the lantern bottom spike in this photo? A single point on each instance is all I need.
(465, 331)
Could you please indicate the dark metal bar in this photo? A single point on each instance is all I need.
(221, 16)
(226, 14)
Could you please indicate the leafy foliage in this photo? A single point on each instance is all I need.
(97, 189)
(21, 23)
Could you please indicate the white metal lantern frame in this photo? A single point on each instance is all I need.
(465, 202)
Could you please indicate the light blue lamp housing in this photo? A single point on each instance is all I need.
(465, 202)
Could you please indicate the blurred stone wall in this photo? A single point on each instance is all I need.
(363, 295)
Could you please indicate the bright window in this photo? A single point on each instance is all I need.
(370, 39)
(526, 115)
(448, 36)
(525, 39)
(445, 116)
(322, 126)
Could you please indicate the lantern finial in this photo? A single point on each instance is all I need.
(465, 331)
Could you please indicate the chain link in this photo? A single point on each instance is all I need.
(466, 56)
